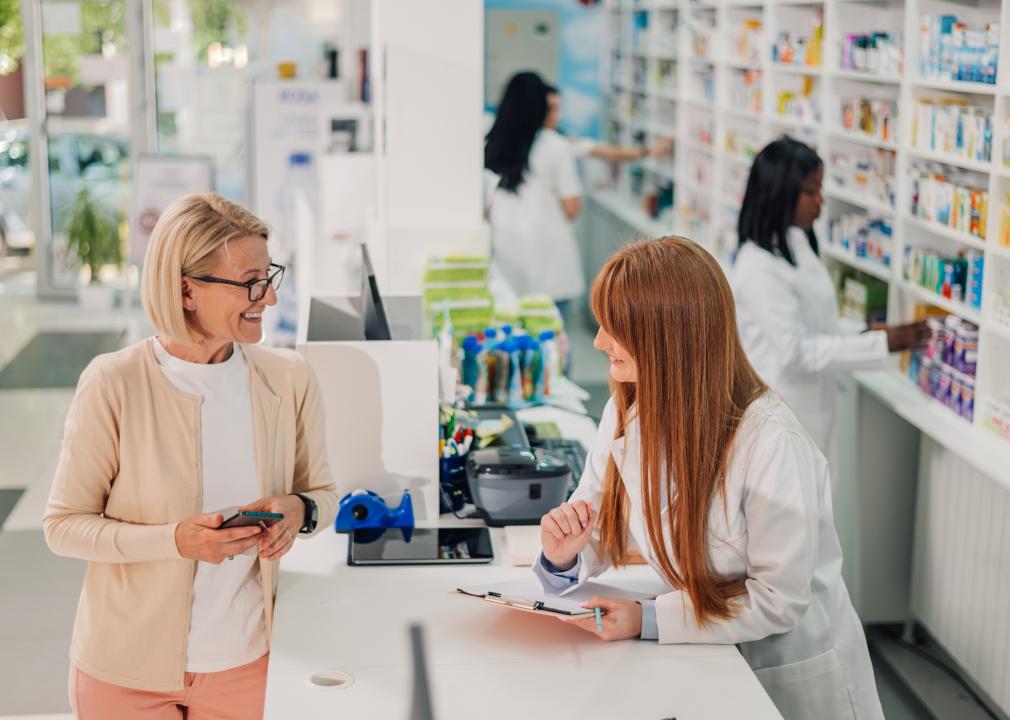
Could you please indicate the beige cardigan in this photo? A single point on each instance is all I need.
(130, 471)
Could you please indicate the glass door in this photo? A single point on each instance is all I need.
(80, 104)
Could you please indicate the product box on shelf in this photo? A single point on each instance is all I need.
(945, 369)
(951, 50)
(955, 278)
(872, 117)
(953, 127)
(869, 238)
(955, 200)
(875, 53)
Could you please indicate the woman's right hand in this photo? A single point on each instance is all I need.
(912, 336)
(198, 538)
(565, 531)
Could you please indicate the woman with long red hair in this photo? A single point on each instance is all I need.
(715, 482)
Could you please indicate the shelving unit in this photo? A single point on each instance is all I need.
(719, 51)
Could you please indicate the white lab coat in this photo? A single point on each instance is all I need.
(533, 242)
(792, 333)
(796, 626)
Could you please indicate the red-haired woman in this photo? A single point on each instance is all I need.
(715, 482)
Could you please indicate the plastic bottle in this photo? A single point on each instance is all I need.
(500, 377)
(548, 360)
(515, 386)
(482, 383)
(530, 366)
(490, 345)
(297, 211)
(471, 348)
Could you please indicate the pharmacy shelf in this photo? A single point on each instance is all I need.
(862, 139)
(737, 159)
(978, 166)
(944, 231)
(740, 114)
(629, 214)
(954, 86)
(866, 77)
(859, 199)
(702, 62)
(981, 449)
(665, 95)
(708, 206)
(697, 146)
(702, 104)
(660, 169)
(657, 128)
(794, 124)
(877, 270)
(797, 69)
(741, 64)
(955, 308)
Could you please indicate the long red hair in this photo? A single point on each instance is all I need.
(667, 302)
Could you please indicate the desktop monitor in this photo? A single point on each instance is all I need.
(376, 324)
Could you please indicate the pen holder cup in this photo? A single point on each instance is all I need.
(452, 479)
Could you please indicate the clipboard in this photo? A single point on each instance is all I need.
(527, 595)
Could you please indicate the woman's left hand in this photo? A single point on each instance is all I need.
(622, 619)
(279, 538)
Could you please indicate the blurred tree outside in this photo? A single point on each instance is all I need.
(103, 27)
(12, 44)
(215, 21)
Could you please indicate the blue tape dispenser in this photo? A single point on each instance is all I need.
(366, 511)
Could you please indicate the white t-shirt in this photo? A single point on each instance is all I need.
(228, 625)
(534, 243)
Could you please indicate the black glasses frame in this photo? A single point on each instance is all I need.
(250, 285)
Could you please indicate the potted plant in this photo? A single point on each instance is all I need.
(93, 237)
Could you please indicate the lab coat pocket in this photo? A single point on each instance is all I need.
(814, 688)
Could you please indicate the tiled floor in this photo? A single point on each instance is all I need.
(40, 590)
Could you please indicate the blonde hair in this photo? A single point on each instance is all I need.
(185, 241)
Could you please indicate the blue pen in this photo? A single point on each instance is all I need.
(599, 620)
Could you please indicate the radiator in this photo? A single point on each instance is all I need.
(961, 567)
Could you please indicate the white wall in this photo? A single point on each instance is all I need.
(427, 81)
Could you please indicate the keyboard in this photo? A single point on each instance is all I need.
(571, 451)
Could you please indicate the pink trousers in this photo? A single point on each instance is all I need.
(235, 694)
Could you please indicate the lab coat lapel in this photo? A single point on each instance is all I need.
(627, 454)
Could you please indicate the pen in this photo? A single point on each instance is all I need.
(599, 620)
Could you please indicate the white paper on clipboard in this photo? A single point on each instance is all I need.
(528, 595)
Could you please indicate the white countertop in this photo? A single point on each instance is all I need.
(483, 661)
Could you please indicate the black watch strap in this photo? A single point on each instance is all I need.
(311, 514)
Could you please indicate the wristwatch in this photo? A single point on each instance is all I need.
(311, 514)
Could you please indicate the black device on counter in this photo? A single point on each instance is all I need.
(426, 546)
(516, 485)
(376, 324)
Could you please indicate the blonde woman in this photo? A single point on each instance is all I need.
(162, 438)
(715, 482)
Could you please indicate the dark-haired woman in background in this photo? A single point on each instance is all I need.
(786, 304)
(536, 193)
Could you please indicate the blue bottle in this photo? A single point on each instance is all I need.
(471, 347)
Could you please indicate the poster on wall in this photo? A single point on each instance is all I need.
(157, 181)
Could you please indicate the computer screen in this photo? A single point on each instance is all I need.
(376, 324)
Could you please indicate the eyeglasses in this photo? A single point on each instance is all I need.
(257, 288)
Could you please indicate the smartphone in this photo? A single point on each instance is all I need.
(249, 519)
